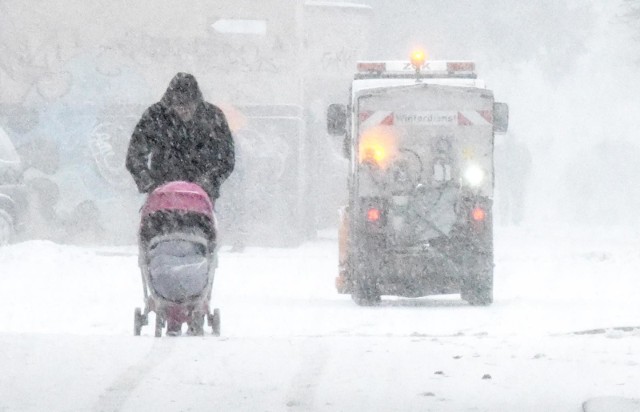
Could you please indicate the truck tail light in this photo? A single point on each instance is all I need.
(478, 214)
(374, 214)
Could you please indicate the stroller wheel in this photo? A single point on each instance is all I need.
(214, 322)
(159, 325)
(138, 321)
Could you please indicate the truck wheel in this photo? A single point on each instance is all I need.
(365, 274)
(6, 228)
(365, 291)
(477, 287)
(478, 292)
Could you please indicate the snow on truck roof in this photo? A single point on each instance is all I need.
(379, 74)
(401, 68)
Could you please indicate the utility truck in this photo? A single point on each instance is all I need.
(419, 136)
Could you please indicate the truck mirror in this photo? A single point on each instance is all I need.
(337, 119)
(500, 117)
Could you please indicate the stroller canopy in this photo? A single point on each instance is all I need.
(179, 196)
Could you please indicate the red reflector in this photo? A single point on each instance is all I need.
(478, 214)
(372, 67)
(461, 66)
(373, 215)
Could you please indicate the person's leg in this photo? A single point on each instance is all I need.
(174, 328)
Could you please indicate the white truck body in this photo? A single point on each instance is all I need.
(419, 218)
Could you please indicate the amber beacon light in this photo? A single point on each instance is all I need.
(418, 57)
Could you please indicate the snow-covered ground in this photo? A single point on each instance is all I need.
(291, 343)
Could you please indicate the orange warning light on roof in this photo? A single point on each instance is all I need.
(418, 57)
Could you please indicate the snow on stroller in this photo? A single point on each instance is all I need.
(177, 259)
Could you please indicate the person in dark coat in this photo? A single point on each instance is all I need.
(182, 137)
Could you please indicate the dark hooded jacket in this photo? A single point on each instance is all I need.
(164, 148)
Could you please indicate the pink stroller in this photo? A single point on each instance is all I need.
(177, 258)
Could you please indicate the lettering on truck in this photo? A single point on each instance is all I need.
(435, 118)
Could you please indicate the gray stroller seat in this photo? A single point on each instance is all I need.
(178, 269)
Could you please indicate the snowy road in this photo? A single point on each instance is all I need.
(290, 343)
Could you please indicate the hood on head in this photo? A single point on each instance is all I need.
(182, 89)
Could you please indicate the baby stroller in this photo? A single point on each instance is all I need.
(177, 259)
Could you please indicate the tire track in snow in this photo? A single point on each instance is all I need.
(115, 396)
(302, 390)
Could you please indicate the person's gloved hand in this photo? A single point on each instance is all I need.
(203, 181)
(208, 185)
(145, 182)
